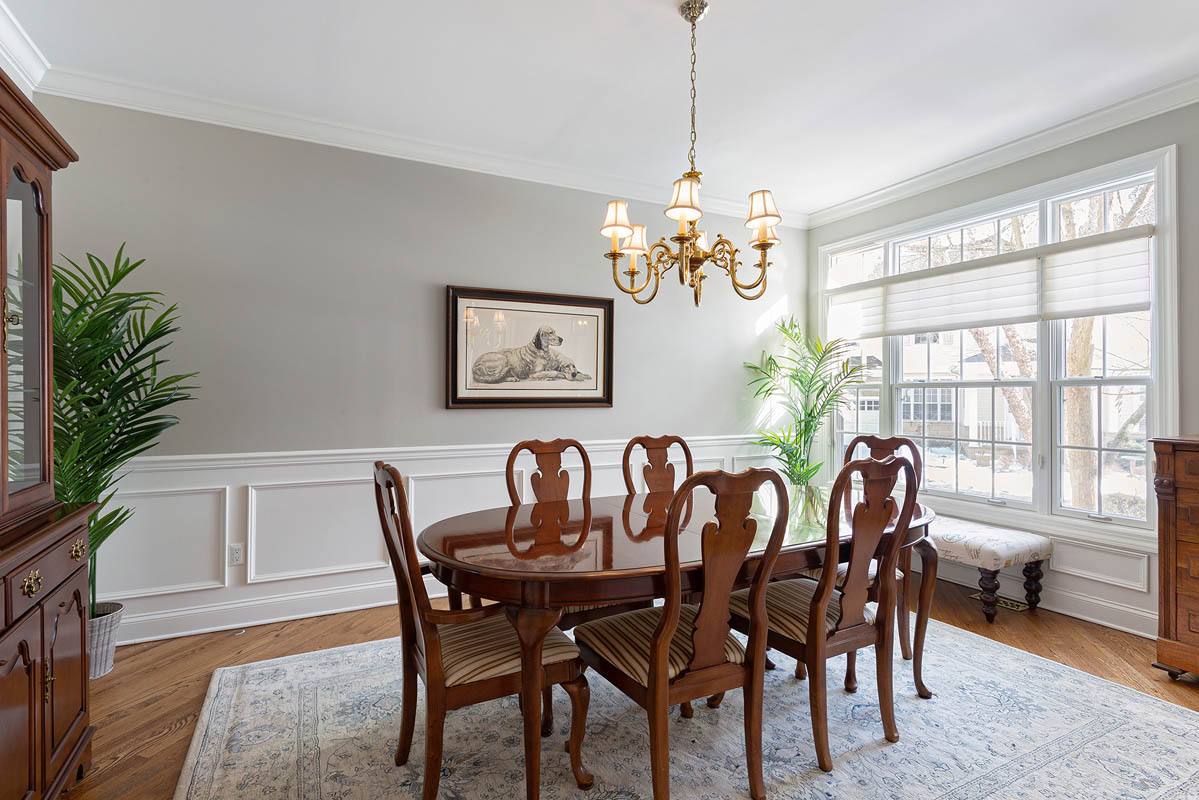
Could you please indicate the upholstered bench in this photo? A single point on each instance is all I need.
(990, 549)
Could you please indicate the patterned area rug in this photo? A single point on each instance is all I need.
(1002, 724)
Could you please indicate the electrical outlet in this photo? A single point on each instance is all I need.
(237, 555)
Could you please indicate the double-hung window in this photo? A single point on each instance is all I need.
(1012, 342)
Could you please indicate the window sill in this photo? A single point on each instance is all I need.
(1111, 534)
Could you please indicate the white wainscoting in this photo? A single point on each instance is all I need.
(308, 525)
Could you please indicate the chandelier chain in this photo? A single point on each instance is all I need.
(691, 152)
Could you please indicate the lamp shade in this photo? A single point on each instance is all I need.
(701, 240)
(762, 210)
(616, 221)
(684, 203)
(635, 244)
(765, 235)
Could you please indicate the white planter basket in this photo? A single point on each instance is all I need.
(102, 637)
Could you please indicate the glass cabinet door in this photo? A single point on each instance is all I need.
(22, 309)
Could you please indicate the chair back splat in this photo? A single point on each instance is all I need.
(870, 519)
(881, 448)
(725, 543)
(550, 482)
(658, 472)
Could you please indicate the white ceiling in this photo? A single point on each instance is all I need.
(822, 102)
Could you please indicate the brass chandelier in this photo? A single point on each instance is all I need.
(693, 252)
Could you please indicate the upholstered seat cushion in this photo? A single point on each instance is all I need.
(789, 604)
(588, 607)
(624, 640)
(476, 651)
(987, 546)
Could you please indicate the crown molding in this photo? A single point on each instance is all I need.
(1157, 101)
(20, 58)
(98, 89)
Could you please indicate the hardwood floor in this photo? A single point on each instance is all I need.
(145, 710)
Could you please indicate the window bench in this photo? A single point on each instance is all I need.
(990, 548)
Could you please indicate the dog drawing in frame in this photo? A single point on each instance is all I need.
(535, 361)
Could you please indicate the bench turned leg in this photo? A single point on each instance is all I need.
(1032, 584)
(989, 582)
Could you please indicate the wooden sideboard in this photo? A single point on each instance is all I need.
(1177, 485)
(45, 742)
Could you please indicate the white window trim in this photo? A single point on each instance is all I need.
(1164, 342)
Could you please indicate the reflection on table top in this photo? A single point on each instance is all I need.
(621, 534)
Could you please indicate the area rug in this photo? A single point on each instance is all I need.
(1002, 724)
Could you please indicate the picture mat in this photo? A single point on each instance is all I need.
(521, 320)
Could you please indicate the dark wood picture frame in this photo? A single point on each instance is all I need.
(455, 398)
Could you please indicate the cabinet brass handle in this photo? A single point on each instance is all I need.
(13, 319)
(49, 680)
(32, 583)
(78, 549)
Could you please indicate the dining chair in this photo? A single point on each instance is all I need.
(463, 656)
(879, 448)
(550, 482)
(658, 472)
(666, 655)
(815, 620)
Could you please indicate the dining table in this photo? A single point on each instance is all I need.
(539, 558)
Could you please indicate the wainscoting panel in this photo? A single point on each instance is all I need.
(175, 542)
(308, 525)
(1103, 564)
(430, 495)
(309, 528)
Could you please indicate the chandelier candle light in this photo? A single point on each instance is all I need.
(694, 252)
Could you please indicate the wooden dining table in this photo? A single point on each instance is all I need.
(538, 558)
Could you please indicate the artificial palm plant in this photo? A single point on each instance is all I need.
(110, 391)
(808, 378)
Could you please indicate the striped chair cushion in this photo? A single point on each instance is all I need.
(588, 607)
(625, 640)
(476, 651)
(788, 604)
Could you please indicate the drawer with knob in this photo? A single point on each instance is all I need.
(26, 585)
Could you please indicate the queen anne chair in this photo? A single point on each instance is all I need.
(658, 472)
(813, 621)
(674, 653)
(878, 449)
(463, 656)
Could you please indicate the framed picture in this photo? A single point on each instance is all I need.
(508, 349)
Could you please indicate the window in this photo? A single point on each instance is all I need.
(1014, 347)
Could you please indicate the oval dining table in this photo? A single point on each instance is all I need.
(538, 558)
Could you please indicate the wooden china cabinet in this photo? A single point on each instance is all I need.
(45, 738)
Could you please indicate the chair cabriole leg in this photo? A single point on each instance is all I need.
(580, 697)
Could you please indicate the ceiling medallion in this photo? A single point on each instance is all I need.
(694, 252)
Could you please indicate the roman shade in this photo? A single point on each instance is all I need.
(1106, 273)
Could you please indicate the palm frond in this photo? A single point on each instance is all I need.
(110, 388)
(809, 380)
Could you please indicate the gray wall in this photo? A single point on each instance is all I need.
(1179, 127)
(311, 282)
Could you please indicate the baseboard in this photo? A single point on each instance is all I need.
(1099, 610)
